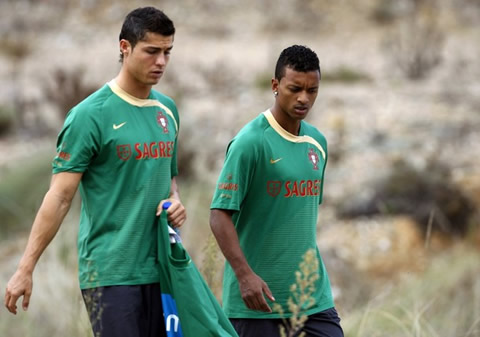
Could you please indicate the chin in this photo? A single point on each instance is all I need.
(151, 82)
(299, 116)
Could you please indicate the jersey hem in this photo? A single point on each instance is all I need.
(260, 315)
(68, 169)
(90, 285)
(227, 207)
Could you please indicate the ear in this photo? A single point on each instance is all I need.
(125, 47)
(274, 84)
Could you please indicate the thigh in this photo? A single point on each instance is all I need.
(323, 324)
(125, 311)
(247, 327)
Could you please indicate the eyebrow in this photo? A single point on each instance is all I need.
(293, 85)
(159, 48)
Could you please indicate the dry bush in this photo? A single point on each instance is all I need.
(388, 11)
(16, 49)
(67, 89)
(416, 48)
(428, 195)
(416, 44)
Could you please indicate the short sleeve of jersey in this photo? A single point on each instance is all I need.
(170, 104)
(78, 142)
(174, 167)
(236, 175)
(320, 138)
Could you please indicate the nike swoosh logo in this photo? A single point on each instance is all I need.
(273, 161)
(115, 126)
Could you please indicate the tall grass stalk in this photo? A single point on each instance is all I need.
(211, 266)
(301, 296)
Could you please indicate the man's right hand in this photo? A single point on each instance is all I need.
(253, 288)
(19, 285)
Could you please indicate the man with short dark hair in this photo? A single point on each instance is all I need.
(265, 206)
(119, 146)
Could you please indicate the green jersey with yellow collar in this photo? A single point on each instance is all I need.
(273, 181)
(126, 149)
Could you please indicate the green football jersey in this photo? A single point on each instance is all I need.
(273, 181)
(126, 149)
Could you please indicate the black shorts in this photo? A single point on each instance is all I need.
(322, 324)
(120, 311)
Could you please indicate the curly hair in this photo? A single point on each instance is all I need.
(299, 58)
(144, 20)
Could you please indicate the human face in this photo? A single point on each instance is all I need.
(146, 62)
(297, 92)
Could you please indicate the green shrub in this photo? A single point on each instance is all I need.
(263, 81)
(345, 75)
(21, 193)
(7, 120)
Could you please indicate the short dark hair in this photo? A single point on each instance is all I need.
(143, 20)
(299, 58)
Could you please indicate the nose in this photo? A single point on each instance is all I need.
(161, 60)
(302, 97)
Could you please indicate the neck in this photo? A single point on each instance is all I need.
(132, 86)
(288, 124)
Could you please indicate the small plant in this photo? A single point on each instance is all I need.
(302, 296)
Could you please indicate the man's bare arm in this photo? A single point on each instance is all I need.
(252, 287)
(50, 215)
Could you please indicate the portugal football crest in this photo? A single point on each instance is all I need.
(162, 121)
(313, 157)
(274, 188)
(124, 152)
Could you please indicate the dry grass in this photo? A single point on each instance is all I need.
(441, 302)
(56, 307)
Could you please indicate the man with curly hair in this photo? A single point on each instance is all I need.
(265, 206)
